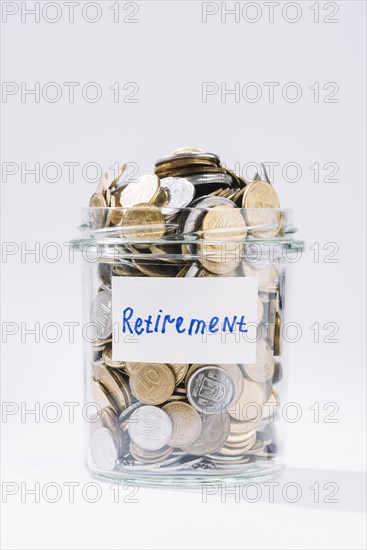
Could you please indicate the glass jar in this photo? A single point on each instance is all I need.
(183, 351)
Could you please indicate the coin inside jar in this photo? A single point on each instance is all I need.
(263, 369)
(260, 200)
(150, 428)
(214, 433)
(248, 407)
(142, 222)
(144, 190)
(104, 449)
(152, 383)
(210, 389)
(180, 191)
(101, 314)
(186, 423)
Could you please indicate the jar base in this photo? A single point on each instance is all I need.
(259, 473)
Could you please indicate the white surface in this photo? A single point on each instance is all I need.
(170, 53)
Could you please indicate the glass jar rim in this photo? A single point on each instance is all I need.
(175, 226)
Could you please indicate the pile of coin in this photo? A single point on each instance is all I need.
(192, 218)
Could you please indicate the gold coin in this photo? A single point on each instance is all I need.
(186, 423)
(111, 386)
(99, 396)
(121, 379)
(144, 190)
(97, 200)
(162, 199)
(219, 268)
(223, 224)
(179, 370)
(143, 222)
(107, 358)
(152, 383)
(242, 428)
(149, 456)
(260, 194)
(228, 450)
(248, 407)
(259, 198)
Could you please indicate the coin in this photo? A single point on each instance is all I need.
(213, 435)
(143, 222)
(240, 450)
(224, 229)
(180, 191)
(126, 268)
(250, 403)
(162, 199)
(186, 423)
(259, 199)
(152, 383)
(263, 369)
(260, 194)
(224, 224)
(97, 217)
(190, 222)
(104, 449)
(150, 428)
(121, 379)
(179, 370)
(210, 389)
(100, 396)
(143, 190)
(97, 201)
(219, 268)
(236, 374)
(110, 384)
(101, 314)
(107, 358)
(149, 456)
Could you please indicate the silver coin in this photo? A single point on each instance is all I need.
(150, 428)
(180, 191)
(210, 389)
(128, 412)
(104, 449)
(101, 314)
(209, 178)
(214, 433)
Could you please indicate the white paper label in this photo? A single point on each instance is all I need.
(184, 320)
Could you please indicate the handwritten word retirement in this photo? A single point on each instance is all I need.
(161, 323)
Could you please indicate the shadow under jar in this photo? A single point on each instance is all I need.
(183, 351)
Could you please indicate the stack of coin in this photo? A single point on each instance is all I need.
(192, 217)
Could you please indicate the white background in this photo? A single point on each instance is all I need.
(169, 53)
